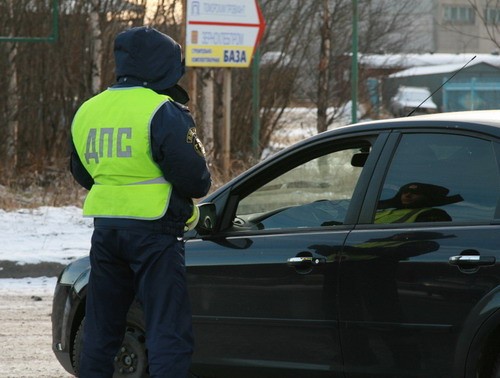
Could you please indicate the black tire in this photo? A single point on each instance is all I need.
(77, 349)
(131, 360)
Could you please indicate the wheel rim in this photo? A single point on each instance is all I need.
(131, 360)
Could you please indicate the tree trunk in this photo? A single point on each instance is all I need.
(12, 111)
(324, 68)
(207, 112)
(12, 107)
(96, 43)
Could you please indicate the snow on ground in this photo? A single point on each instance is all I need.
(30, 236)
(45, 234)
(39, 286)
(51, 234)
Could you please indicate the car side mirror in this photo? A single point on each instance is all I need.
(208, 218)
(359, 159)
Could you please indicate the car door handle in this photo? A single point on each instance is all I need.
(302, 260)
(472, 260)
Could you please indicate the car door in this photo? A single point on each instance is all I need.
(411, 292)
(264, 287)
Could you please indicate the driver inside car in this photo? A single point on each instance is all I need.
(416, 202)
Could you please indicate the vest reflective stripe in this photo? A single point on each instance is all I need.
(111, 133)
(398, 215)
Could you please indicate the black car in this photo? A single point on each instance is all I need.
(314, 264)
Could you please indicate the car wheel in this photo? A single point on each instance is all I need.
(131, 360)
(133, 351)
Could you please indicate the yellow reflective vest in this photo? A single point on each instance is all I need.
(398, 215)
(111, 134)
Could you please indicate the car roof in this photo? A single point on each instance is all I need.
(481, 121)
(474, 120)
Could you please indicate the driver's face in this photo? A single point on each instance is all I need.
(409, 197)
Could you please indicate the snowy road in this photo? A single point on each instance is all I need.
(51, 235)
(25, 333)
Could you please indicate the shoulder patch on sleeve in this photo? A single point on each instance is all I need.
(192, 138)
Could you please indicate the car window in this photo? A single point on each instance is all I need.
(440, 178)
(313, 194)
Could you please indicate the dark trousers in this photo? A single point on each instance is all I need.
(149, 265)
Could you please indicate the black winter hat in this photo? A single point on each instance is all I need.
(435, 195)
(145, 54)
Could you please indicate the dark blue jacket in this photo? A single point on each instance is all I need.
(174, 148)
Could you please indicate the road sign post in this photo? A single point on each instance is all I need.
(223, 33)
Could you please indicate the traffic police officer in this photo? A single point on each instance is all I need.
(135, 148)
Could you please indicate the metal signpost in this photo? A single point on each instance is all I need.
(223, 33)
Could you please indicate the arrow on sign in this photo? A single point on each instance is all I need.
(222, 33)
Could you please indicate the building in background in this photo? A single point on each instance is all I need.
(447, 35)
(454, 26)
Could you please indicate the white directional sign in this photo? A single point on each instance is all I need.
(222, 33)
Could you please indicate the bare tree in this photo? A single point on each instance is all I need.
(324, 66)
(207, 111)
(12, 112)
(285, 44)
(305, 59)
(383, 26)
(96, 46)
(488, 14)
(12, 103)
(311, 46)
(48, 81)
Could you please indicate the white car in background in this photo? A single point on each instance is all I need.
(408, 99)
